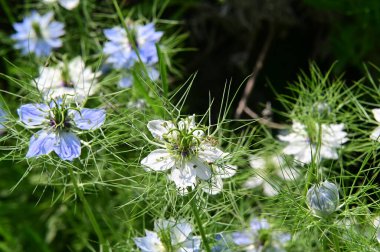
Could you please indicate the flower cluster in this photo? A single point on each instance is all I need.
(58, 123)
(302, 141)
(72, 79)
(38, 34)
(124, 49)
(169, 235)
(188, 152)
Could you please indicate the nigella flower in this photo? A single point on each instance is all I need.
(72, 79)
(268, 169)
(67, 4)
(185, 150)
(38, 34)
(169, 235)
(303, 145)
(260, 238)
(323, 198)
(59, 123)
(120, 52)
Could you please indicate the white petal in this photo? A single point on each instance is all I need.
(159, 160)
(69, 4)
(257, 162)
(328, 153)
(376, 114)
(288, 173)
(375, 135)
(214, 186)
(226, 171)
(180, 232)
(201, 168)
(253, 182)
(159, 127)
(210, 153)
(269, 190)
(183, 178)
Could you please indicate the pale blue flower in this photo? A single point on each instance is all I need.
(58, 122)
(119, 49)
(250, 239)
(2, 119)
(180, 238)
(38, 34)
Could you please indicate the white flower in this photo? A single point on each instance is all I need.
(169, 235)
(67, 4)
(186, 151)
(266, 168)
(376, 133)
(304, 147)
(73, 79)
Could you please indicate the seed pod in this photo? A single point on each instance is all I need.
(323, 198)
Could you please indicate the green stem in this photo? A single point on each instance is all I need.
(199, 223)
(88, 211)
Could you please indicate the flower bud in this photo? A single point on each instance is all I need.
(323, 198)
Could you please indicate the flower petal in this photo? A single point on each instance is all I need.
(375, 135)
(159, 127)
(183, 178)
(159, 160)
(41, 143)
(179, 232)
(226, 171)
(214, 186)
(201, 168)
(68, 147)
(89, 119)
(69, 4)
(210, 153)
(253, 182)
(34, 114)
(151, 242)
(376, 114)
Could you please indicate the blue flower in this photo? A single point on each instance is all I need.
(252, 238)
(38, 34)
(2, 119)
(120, 51)
(58, 121)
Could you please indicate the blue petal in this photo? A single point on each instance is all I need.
(88, 119)
(41, 143)
(126, 82)
(68, 147)
(242, 238)
(34, 114)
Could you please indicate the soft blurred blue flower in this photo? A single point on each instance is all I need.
(251, 240)
(2, 119)
(119, 49)
(57, 122)
(38, 34)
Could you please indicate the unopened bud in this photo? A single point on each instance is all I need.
(323, 198)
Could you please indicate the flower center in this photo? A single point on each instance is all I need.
(59, 118)
(37, 30)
